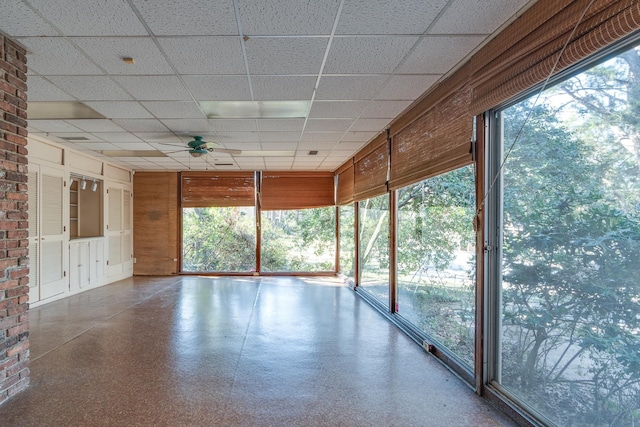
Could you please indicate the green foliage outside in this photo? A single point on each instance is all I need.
(571, 255)
(347, 241)
(374, 246)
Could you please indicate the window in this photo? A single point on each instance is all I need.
(219, 239)
(436, 259)
(374, 247)
(298, 240)
(567, 289)
(347, 241)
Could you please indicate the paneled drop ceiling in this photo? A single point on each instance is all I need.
(274, 78)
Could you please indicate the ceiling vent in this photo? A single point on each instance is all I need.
(313, 152)
(74, 138)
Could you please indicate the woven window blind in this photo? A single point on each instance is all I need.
(296, 190)
(371, 167)
(217, 189)
(503, 72)
(344, 193)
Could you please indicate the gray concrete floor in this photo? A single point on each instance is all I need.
(190, 351)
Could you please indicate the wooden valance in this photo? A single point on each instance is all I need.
(371, 168)
(344, 189)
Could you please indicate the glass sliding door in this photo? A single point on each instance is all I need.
(569, 288)
(373, 220)
(219, 239)
(436, 259)
(347, 241)
(298, 240)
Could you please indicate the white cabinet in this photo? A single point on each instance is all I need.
(120, 254)
(86, 263)
(47, 275)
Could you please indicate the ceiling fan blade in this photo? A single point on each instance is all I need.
(226, 150)
(172, 145)
(174, 151)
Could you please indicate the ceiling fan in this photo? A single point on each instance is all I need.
(197, 147)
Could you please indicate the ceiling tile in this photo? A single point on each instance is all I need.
(191, 126)
(120, 109)
(95, 125)
(274, 163)
(96, 146)
(205, 55)
(154, 88)
(218, 88)
(279, 136)
(174, 110)
(326, 125)
(57, 56)
(284, 125)
(17, 19)
(243, 145)
(285, 55)
(347, 146)
(388, 17)
(384, 109)
(283, 88)
(43, 90)
(193, 17)
(238, 136)
(91, 88)
(370, 124)
(313, 145)
(321, 136)
(108, 52)
(117, 137)
(365, 55)
(448, 49)
(337, 109)
(279, 146)
(53, 126)
(141, 125)
(288, 17)
(234, 125)
(349, 87)
(408, 87)
(91, 17)
(359, 136)
(133, 146)
(474, 17)
(159, 138)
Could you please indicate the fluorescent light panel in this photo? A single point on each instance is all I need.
(255, 109)
(61, 110)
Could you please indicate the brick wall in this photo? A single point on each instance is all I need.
(14, 263)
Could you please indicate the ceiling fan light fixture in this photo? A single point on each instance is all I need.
(197, 152)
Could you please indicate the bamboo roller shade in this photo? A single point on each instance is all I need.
(371, 166)
(434, 136)
(296, 190)
(344, 191)
(217, 189)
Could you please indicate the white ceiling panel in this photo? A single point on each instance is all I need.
(159, 137)
(282, 88)
(117, 137)
(53, 126)
(384, 109)
(141, 125)
(359, 136)
(370, 125)
(238, 136)
(174, 110)
(474, 17)
(337, 109)
(323, 125)
(321, 136)
(448, 49)
(347, 146)
(191, 126)
(91, 17)
(121, 109)
(108, 52)
(154, 88)
(279, 146)
(40, 89)
(407, 87)
(280, 125)
(95, 125)
(18, 19)
(204, 55)
(57, 56)
(287, 17)
(256, 163)
(193, 17)
(91, 88)
(365, 55)
(388, 17)
(279, 136)
(285, 55)
(349, 87)
(218, 88)
(133, 146)
(243, 145)
(234, 125)
(96, 146)
(275, 163)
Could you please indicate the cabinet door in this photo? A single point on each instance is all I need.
(119, 230)
(79, 265)
(96, 261)
(34, 232)
(52, 253)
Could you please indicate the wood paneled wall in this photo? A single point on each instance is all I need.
(156, 223)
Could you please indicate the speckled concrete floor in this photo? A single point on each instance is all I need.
(189, 351)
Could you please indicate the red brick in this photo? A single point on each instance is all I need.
(15, 330)
(8, 322)
(20, 347)
(17, 291)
